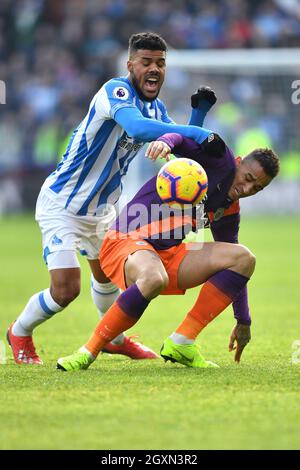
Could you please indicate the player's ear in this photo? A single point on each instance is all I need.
(129, 66)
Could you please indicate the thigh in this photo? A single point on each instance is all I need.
(114, 254)
(142, 263)
(98, 274)
(203, 260)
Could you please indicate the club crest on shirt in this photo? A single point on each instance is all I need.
(120, 93)
(219, 213)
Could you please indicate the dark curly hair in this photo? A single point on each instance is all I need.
(267, 159)
(149, 41)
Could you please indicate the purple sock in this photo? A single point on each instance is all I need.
(229, 282)
(132, 302)
(234, 286)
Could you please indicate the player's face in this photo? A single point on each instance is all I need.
(250, 178)
(147, 72)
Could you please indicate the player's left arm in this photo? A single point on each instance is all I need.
(226, 230)
(213, 146)
(201, 101)
(168, 143)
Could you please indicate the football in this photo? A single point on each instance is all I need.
(181, 181)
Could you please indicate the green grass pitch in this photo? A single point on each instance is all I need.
(123, 404)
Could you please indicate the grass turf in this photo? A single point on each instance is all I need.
(123, 404)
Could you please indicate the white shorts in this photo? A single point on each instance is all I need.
(65, 233)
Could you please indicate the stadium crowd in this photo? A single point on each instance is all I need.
(54, 55)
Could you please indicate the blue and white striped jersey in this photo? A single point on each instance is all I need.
(99, 152)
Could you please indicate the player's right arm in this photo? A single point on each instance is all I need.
(146, 130)
(116, 100)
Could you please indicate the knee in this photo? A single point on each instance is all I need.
(251, 261)
(246, 260)
(64, 294)
(154, 283)
(160, 281)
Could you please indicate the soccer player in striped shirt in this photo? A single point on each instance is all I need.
(73, 201)
(145, 256)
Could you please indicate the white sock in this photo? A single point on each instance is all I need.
(177, 338)
(83, 349)
(38, 309)
(104, 295)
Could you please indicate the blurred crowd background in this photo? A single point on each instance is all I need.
(54, 55)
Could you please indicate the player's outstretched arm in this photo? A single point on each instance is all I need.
(239, 338)
(146, 130)
(201, 101)
(227, 229)
(158, 149)
(171, 143)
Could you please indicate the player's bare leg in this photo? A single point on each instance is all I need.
(65, 285)
(225, 270)
(206, 259)
(146, 269)
(104, 294)
(64, 288)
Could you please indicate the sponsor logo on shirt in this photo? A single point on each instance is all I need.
(128, 144)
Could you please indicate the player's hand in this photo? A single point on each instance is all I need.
(204, 98)
(158, 149)
(239, 338)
